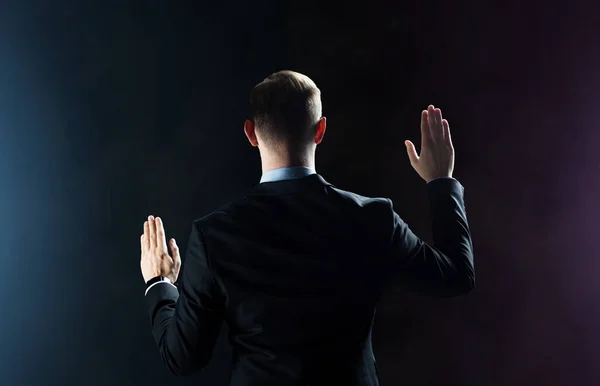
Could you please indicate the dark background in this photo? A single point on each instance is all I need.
(113, 110)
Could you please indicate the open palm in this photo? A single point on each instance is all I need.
(437, 152)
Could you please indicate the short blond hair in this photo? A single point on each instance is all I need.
(286, 107)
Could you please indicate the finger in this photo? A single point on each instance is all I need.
(175, 252)
(447, 136)
(146, 239)
(430, 120)
(438, 121)
(142, 243)
(161, 241)
(431, 114)
(412, 152)
(435, 123)
(152, 233)
(425, 134)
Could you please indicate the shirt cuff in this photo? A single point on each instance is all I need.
(158, 282)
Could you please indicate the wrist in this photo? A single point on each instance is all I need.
(157, 279)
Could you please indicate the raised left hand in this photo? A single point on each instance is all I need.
(156, 260)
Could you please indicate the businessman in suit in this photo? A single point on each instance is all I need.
(296, 267)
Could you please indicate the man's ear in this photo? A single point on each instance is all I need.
(321, 127)
(250, 131)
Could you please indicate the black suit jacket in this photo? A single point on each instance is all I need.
(296, 269)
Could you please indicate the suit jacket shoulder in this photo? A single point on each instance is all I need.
(227, 209)
(374, 214)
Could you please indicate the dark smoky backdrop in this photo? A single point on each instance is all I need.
(114, 110)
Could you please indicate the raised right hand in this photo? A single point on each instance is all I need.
(437, 153)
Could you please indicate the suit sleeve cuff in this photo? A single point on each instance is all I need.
(442, 189)
(160, 295)
(441, 178)
(158, 283)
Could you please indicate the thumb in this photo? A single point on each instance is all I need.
(412, 152)
(175, 251)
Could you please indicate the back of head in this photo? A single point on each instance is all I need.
(286, 108)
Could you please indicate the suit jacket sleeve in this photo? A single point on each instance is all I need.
(186, 320)
(445, 268)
